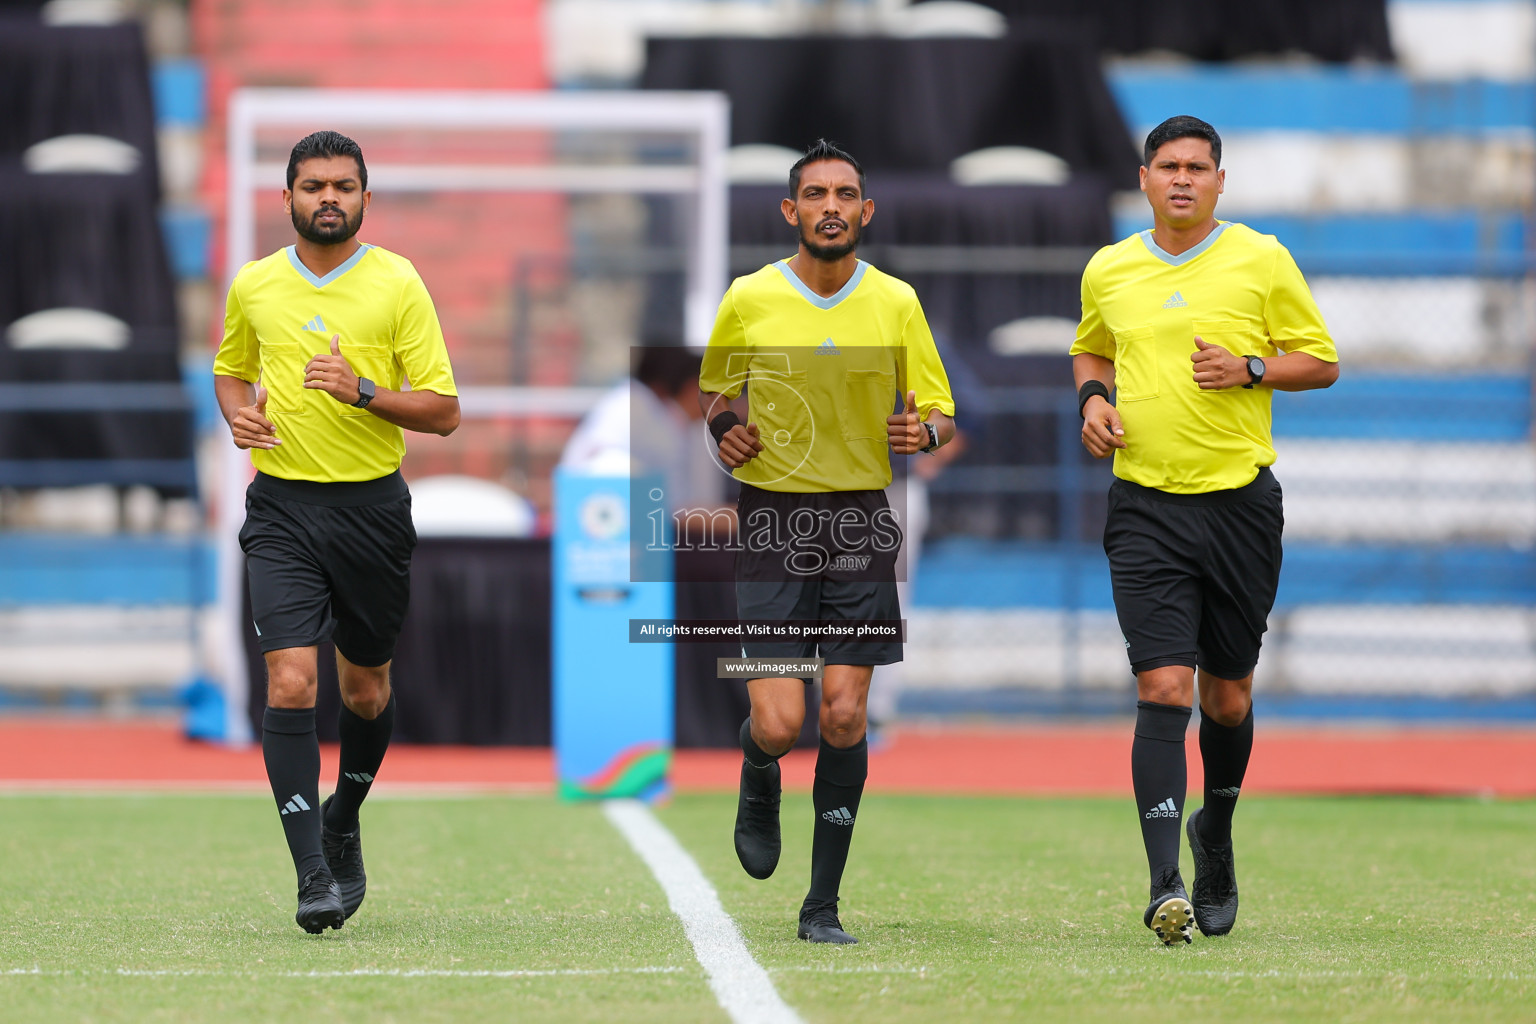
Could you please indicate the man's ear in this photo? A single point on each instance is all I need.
(787, 207)
(288, 200)
(1221, 180)
(1143, 174)
(868, 212)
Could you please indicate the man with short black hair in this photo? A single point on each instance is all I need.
(328, 533)
(1192, 325)
(826, 346)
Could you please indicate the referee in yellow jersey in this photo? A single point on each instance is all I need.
(1191, 326)
(318, 339)
(826, 347)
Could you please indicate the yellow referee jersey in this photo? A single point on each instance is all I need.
(825, 373)
(279, 316)
(1143, 307)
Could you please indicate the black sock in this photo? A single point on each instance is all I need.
(1225, 750)
(840, 775)
(761, 766)
(363, 742)
(1160, 777)
(292, 752)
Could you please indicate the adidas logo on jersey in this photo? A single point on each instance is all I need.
(838, 817)
(1163, 810)
(1175, 301)
(315, 325)
(295, 804)
(826, 348)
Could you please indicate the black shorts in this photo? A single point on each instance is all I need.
(832, 559)
(329, 562)
(1195, 574)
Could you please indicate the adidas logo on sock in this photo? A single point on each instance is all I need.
(295, 804)
(1164, 810)
(358, 776)
(1231, 791)
(838, 817)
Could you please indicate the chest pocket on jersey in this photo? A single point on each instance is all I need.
(781, 408)
(371, 361)
(1136, 369)
(1239, 337)
(869, 396)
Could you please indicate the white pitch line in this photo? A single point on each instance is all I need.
(361, 972)
(739, 982)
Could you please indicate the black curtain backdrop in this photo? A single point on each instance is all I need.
(911, 104)
(473, 662)
(90, 241)
(1219, 30)
(76, 80)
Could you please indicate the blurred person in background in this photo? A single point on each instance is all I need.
(318, 339)
(1192, 325)
(825, 345)
(648, 423)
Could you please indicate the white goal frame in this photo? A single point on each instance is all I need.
(701, 115)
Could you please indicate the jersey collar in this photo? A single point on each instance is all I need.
(1188, 254)
(819, 301)
(321, 282)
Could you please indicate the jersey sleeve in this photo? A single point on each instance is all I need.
(1291, 316)
(419, 344)
(729, 337)
(923, 368)
(1092, 337)
(239, 353)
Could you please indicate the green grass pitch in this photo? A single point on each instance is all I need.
(180, 908)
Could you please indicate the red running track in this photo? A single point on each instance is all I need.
(1035, 760)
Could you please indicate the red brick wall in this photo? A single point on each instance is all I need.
(467, 246)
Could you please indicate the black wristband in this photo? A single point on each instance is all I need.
(1087, 391)
(722, 424)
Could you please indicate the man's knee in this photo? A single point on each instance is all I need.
(1173, 685)
(842, 719)
(365, 691)
(1227, 701)
(776, 731)
(291, 682)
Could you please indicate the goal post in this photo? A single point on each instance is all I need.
(697, 171)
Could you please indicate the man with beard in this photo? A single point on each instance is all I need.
(318, 339)
(826, 347)
(1193, 324)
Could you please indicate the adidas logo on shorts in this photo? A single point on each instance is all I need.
(838, 817)
(1163, 810)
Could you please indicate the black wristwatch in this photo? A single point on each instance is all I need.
(1255, 370)
(365, 391)
(933, 438)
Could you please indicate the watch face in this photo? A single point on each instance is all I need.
(1256, 366)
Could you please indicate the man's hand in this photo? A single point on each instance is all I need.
(1102, 430)
(251, 428)
(1215, 367)
(740, 445)
(330, 372)
(904, 431)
